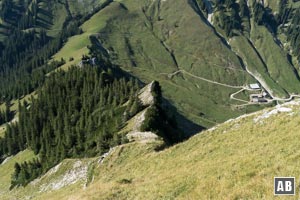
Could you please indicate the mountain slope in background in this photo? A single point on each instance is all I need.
(204, 61)
(198, 65)
(48, 15)
(153, 48)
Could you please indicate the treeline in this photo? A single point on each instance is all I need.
(77, 114)
(24, 55)
(233, 17)
(278, 22)
(11, 11)
(26, 171)
(288, 21)
(24, 60)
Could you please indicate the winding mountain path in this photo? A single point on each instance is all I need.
(204, 79)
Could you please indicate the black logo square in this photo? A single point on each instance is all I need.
(284, 186)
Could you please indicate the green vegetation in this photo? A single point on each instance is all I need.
(139, 44)
(82, 109)
(64, 112)
(84, 7)
(208, 165)
(230, 16)
(2, 130)
(76, 46)
(35, 34)
(130, 39)
(292, 32)
(23, 69)
(276, 60)
(254, 63)
(7, 169)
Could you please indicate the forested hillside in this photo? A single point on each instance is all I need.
(72, 73)
(239, 36)
(77, 114)
(32, 32)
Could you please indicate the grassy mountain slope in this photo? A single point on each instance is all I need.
(254, 63)
(198, 70)
(269, 60)
(86, 6)
(77, 45)
(152, 40)
(276, 60)
(51, 15)
(221, 163)
(176, 45)
(14, 109)
(7, 169)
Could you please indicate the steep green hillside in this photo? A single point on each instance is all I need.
(150, 41)
(7, 168)
(49, 15)
(221, 163)
(39, 14)
(85, 6)
(261, 24)
(214, 60)
(77, 45)
(200, 59)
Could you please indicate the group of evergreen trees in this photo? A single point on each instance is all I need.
(231, 14)
(26, 171)
(24, 60)
(277, 22)
(77, 114)
(24, 54)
